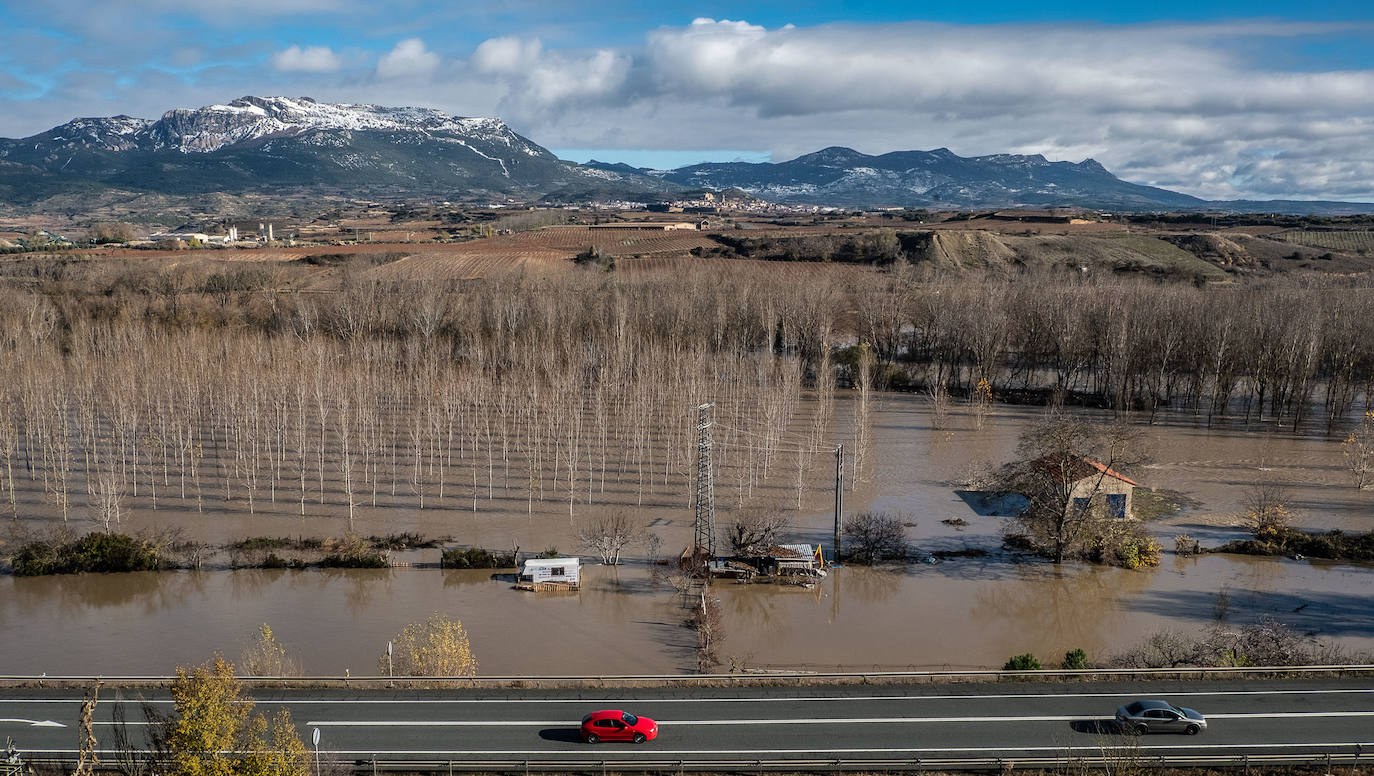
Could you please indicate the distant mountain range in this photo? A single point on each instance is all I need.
(256, 144)
(939, 178)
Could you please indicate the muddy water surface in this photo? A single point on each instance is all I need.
(958, 612)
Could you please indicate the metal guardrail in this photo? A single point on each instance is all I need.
(1350, 755)
(739, 677)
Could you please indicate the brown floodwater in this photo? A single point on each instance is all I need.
(957, 612)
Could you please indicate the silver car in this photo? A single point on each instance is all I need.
(1143, 717)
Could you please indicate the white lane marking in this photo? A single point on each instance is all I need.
(651, 750)
(778, 699)
(807, 721)
(35, 722)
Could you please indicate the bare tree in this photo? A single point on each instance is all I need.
(751, 531)
(1266, 511)
(871, 537)
(106, 498)
(1358, 448)
(608, 534)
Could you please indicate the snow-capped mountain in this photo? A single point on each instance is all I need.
(275, 144)
(272, 142)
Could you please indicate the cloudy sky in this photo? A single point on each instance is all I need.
(1229, 99)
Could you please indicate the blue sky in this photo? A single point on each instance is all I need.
(1228, 99)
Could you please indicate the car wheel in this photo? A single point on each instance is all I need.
(593, 738)
(1192, 730)
(1140, 729)
(640, 738)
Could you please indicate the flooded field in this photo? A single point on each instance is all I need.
(958, 612)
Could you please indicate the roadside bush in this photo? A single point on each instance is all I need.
(438, 646)
(1026, 662)
(1075, 660)
(476, 558)
(1267, 642)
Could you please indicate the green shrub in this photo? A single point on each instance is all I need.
(401, 541)
(1331, 545)
(354, 553)
(94, 552)
(1026, 662)
(257, 543)
(1075, 660)
(476, 558)
(275, 561)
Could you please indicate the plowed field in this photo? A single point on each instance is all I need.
(546, 250)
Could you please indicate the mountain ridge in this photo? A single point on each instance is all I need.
(938, 178)
(266, 144)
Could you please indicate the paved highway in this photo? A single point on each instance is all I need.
(1009, 720)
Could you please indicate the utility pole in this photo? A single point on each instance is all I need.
(704, 523)
(839, 499)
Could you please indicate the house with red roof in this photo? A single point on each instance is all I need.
(1094, 484)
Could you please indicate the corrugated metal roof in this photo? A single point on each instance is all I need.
(548, 562)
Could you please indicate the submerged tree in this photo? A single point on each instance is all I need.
(1359, 450)
(1061, 467)
(266, 656)
(608, 534)
(871, 537)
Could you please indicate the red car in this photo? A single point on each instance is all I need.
(612, 725)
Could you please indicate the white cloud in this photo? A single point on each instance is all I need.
(313, 59)
(1240, 109)
(536, 80)
(408, 58)
(506, 55)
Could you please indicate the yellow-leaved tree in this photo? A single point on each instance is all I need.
(436, 647)
(266, 656)
(216, 733)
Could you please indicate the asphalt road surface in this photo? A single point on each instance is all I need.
(1009, 720)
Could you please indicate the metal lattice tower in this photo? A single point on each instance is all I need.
(704, 526)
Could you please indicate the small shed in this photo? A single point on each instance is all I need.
(550, 574)
(797, 559)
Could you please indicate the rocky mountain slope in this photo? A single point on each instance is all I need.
(939, 178)
(255, 144)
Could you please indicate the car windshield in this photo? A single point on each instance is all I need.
(1135, 708)
(629, 719)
